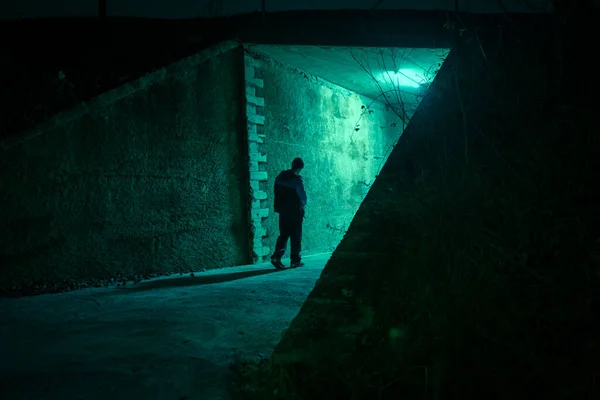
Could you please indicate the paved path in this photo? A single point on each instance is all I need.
(167, 338)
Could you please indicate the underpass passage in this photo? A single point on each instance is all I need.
(474, 183)
(168, 338)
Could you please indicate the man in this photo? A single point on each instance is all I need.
(290, 200)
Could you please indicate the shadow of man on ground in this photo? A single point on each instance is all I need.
(197, 280)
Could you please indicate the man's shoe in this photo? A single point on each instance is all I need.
(297, 264)
(277, 263)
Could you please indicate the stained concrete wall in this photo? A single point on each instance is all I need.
(342, 144)
(147, 183)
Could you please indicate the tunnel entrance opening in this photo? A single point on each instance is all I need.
(341, 109)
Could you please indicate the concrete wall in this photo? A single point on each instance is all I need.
(342, 144)
(150, 182)
(181, 9)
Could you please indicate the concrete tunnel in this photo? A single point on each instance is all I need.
(173, 172)
(449, 274)
(364, 99)
(342, 109)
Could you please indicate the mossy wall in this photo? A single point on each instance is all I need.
(343, 138)
(150, 183)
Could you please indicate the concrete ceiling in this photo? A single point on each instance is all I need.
(10, 9)
(397, 76)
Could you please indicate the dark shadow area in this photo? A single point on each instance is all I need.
(64, 381)
(471, 269)
(198, 280)
(44, 79)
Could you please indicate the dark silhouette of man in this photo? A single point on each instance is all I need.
(290, 200)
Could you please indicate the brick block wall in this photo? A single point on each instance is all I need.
(259, 195)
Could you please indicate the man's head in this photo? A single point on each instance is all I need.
(297, 165)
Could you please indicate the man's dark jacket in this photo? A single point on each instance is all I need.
(290, 197)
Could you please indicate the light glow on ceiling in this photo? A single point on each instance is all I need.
(405, 77)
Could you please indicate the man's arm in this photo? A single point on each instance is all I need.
(301, 192)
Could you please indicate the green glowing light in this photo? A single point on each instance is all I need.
(407, 78)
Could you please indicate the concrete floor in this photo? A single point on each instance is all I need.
(167, 338)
